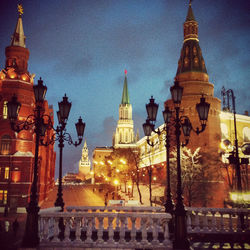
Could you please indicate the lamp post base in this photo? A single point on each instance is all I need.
(31, 238)
(180, 238)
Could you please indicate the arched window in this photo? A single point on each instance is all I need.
(246, 134)
(5, 145)
(5, 110)
(224, 131)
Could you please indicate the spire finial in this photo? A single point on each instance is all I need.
(190, 2)
(20, 9)
(125, 71)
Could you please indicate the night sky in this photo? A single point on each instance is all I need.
(81, 48)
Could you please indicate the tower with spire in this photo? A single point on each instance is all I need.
(124, 134)
(193, 77)
(17, 149)
(84, 163)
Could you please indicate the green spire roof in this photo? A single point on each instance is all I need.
(125, 95)
(190, 14)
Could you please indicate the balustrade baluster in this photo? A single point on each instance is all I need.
(144, 240)
(45, 230)
(78, 229)
(222, 226)
(154, 227)
(189, 223)
(110, 229)
(133, 229)
(213, 223)
(67, 230)
(230, 222)
(167, 243)
(122, 230)
(205, 222)
(197, 222)
(100, 229)
(56, 230)
(89, 229)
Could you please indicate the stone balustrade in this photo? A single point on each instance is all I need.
(105, 227)
(132, 227)
(218, 220)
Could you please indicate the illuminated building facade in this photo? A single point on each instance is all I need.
(17, 149)
(193, 77)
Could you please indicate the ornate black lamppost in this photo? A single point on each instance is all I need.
(31, 238)
(148, 127)
(234, 157)
(61, 135)
(180, 239)
(180, 228)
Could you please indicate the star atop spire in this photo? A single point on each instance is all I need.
(20, 9)
(18, 38)
(125, 71)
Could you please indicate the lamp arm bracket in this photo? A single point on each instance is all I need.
(67, 137)
(18, 126)
(151, 144)
(51, 140)
(198, 130)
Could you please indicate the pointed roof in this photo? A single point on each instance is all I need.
(191, 59)
(85, 144)
(190, 14)
(125, 95)
(18, 37)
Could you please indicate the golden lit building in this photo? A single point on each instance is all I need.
(17, 150)
(193, 77)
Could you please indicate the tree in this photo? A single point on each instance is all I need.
(134, 159)
(198, 175)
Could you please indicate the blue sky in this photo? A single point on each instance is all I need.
(81, 48)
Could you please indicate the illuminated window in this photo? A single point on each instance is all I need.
(3, 196)
(7, 173)
(246, 134)
(5, 145)
(224, 131)
(5, 110)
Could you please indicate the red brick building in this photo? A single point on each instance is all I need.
(17, 149)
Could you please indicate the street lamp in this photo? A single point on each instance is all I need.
(36, 120)
(234, 157)
(234, 154)
(61, 135)
(148, 127)
(180, 239)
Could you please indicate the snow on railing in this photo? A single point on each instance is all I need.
(218, 220)
(106, 229)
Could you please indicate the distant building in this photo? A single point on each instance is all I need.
(193, 77)
(84, 164)
(17, 149)
(124, 136)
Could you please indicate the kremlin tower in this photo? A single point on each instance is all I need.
(124, 135)
(192, 76)
(17, 149)
(84, 163)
